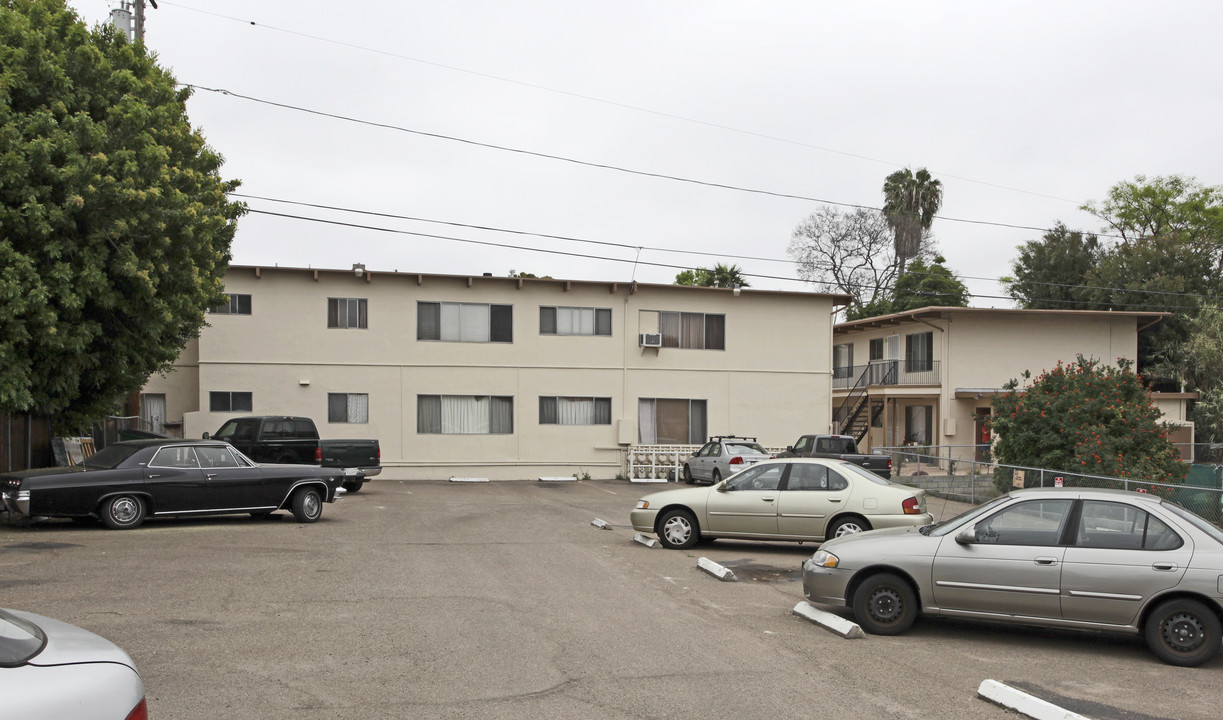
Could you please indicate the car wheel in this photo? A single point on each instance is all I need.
(677, 529)
(884, 604)
(123, 512)
(687, 472)
(717, 477)
(847, 526)
(307, 505)
(353, 485)
(1183, 632)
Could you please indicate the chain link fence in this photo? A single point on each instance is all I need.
(945, 471)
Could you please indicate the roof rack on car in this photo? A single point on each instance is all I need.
(730, 437)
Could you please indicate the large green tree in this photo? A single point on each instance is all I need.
(910, 202)
(1088, 418)
(1051, 273)
(115, 227)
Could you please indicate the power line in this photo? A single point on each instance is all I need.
(601, 166)
(626, 246)
(565, 253)
(603, 101)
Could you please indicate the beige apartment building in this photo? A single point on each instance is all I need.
(928, 376)
(504, 378)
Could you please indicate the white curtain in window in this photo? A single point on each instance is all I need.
(501, 415)
(647, 428)
(358, 408)
(693, 331)
(576, 411)
(463, 414)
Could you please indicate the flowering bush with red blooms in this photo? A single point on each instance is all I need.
(1089, 418)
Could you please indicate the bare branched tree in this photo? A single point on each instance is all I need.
(851, 253)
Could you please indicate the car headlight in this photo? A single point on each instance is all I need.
(823, 558)
(643, 504)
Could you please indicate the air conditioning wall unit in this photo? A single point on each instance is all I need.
(651, 340)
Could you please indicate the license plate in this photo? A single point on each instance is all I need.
(351, 471)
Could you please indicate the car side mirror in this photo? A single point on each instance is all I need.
(966, 537)
(789, 448)
(722, 487)
(205, 436)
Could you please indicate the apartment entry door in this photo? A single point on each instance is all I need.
(983, 436)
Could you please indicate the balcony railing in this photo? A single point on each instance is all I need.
(880, 372)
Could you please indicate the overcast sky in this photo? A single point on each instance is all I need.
(1024, 110)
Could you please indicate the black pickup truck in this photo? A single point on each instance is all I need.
(295, 441)
(842, 447)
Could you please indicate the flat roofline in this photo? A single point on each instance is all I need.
(837, 299)
(939, 311)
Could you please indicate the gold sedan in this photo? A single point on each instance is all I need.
(790, 499)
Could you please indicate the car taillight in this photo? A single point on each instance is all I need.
(911, 506)
(140, 712)
(889, 462)
(736, 460)
(318, 453)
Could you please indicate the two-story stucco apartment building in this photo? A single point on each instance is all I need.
(479, 376)
(928, 376)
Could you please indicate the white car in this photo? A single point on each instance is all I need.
(50, 670)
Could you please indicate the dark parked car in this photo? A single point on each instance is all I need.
(287, 439)
(128, 481)
(841, 447)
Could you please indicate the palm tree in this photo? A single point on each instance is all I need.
(726, 276)
(910, 201)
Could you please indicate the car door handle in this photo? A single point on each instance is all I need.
(1164, 566)
(834, 499)
(1045, 561)
(768, 499)
(153, 476)
(210, 475)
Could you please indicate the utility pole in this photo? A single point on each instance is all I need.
(128, 11)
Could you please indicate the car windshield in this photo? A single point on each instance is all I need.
(110, 457)
(738, 448)
(965, 517)
(20, 640)
(1197, 521)
(844, 466)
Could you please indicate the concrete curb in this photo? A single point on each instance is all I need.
(601, 524)
(1021, 702)
(645, 540)
(829, 621)
(722, 573)
(558, 479)
(459, 479)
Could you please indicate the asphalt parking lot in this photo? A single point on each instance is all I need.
(501, 600)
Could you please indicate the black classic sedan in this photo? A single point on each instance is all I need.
(126, 482)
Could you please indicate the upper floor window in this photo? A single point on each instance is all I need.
(226, 401)
(239, 304)
(574, 321)
(347, 407)
(464, 414)
(843, 360)
(919, 351)
(686, 330)
(876, 349)
(574, 411)
(464, 322)
(347, 313)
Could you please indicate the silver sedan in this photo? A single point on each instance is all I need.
(50, 670)
(1081, 558)
(801, 499)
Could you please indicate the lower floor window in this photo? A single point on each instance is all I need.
(226, 401)
(465, 414)
(668, 421)
(348, 407)
(574, 411)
